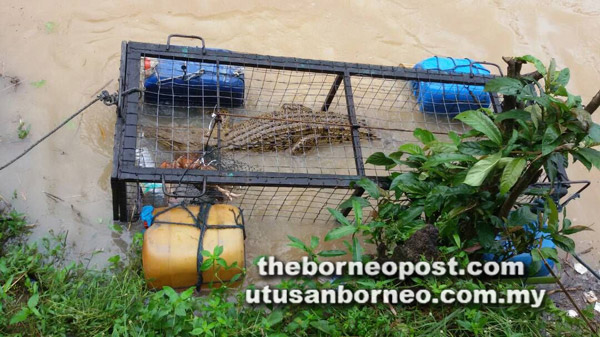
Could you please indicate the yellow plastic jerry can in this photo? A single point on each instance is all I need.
(170, 251)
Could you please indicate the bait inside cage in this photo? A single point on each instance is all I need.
(276, 136)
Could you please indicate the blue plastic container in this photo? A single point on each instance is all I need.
(147, 216)
(187, 83)
(445, 98)
(526, 257)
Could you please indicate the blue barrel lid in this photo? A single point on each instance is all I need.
(451, 64)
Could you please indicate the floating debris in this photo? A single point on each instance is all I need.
(580, 268)
(50, 26)
(590, 296)
(38, 84)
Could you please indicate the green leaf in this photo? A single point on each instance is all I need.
(39, 83)
(114, 259)
(486, 234)
(380, 159)
(513, 114)
(563, 77)
(218, 251)
(504, 85)
(552, 70)
(552, 214)
(573, 100)
(594, 133)
(447, 158)
(482, 123)
(550, 140)
(274, 318)
(534, 267)
(180, 310)
(412, 213)
(33, 301)
(575, 229)
(50, 26)
(481, 169)
(369, 186)
(340, 232)
(116, 228)
(258, 258)
(206, 253)
(539, 66)
(411, 148)
(20, 316)
(323, 326)
(582, 159)
(197, 332)
(547, 253)
(424, 136)
(409, 183)
(521, 217)
(563, 242)
(314, 242)
(187, 294)
(561, 91)
(348, 203)
(331, 253)
(442, 147)
(535, 114)
(357, 250)
(235, 277)
(454, 137)
(552, 164)
(591, 155)
(512, 172)
(474, 148)
(358, 214)
(339, 216)
(297, 243)
(206, 264)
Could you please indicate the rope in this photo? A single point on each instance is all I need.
(104, 96)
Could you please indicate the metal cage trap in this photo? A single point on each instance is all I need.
(276, 136)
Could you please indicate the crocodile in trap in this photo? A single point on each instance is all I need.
(276, 136)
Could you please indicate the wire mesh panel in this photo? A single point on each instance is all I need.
(280, 137)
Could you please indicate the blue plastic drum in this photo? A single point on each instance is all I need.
(526, 257)
(187, 83)
(450, 99)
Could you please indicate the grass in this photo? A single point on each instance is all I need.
(43, 295)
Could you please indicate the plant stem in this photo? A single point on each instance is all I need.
(530, 176)
(562, 287)
(593, 104)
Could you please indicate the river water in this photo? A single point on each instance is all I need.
(64, 52)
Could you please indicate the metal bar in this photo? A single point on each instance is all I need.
(122, 72)
(358, 158)
(114, 184)
(120, 194)
(144, 174)
(298, 64)
(332, 91)
(219, 165)
(118, 143)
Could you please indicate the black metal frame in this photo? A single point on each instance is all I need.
(124, 169)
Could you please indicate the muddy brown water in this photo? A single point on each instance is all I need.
(75, 47)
